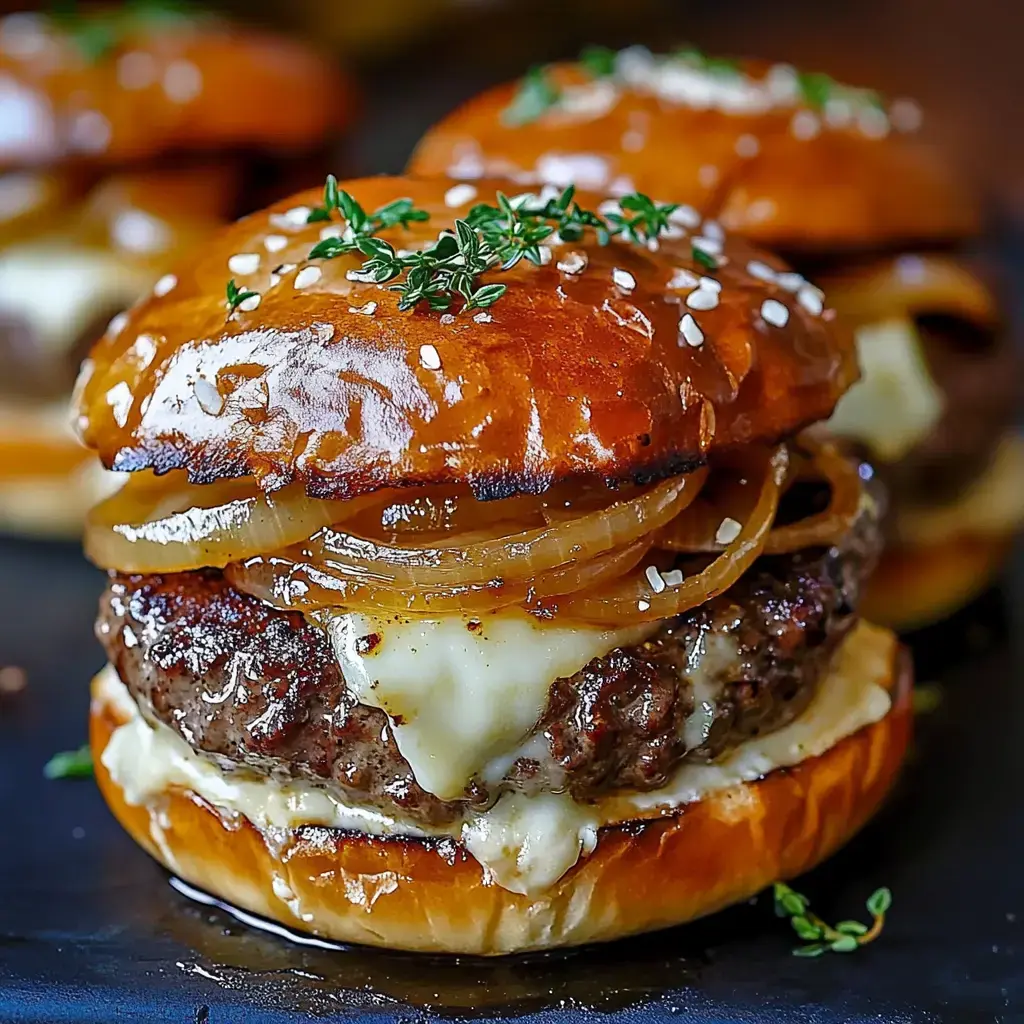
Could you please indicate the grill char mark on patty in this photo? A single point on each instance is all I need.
(256, 687)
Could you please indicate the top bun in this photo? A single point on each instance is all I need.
(581, 367)
(131, 83)
(791, 160)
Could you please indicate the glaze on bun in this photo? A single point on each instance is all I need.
(480, 586)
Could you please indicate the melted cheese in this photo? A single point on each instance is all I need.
(524, 842)
(895, 404)
(458, 698)
(60, 289)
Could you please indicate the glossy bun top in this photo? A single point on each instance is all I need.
(630, 360)
(131, 83)
(791, 160)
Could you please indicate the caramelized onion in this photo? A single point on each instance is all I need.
(285, 582)
(633, 599)
(471, 560)
(828, 526)
(165, 524)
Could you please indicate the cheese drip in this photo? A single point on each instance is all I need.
(523, 843)
(460, 693)
(895, 404)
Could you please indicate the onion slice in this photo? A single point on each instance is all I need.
(288, 582)
(520, 556)
(165, 524)
(634, 599)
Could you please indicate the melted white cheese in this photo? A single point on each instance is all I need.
(896, 403)
(524, 843)
(59, 289)
(458, 698)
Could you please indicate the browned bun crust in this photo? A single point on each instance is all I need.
(181, 84)
(565, 375)
(842, 187)
(407, 894)
(915, 586)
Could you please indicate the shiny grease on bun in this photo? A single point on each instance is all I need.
(625, 361)
(790, 160)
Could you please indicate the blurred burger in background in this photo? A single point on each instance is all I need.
(126, 134)
(834, 178)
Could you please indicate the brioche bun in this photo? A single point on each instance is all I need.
(409, 894)
(327, 382)
(762, 161)
(165, 84)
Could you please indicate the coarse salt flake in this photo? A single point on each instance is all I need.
(459, 195)
(690, 331)
(812, 299)
(674, 578)
(164, 285)
(683, 279)
(247, 305)
(654, 578)
(774, 312)
(728, 530)
(429, 357)
(702, 299)
(274, 243)
(244, 263)
(483, 317)
(367, 309)
(308, 276)
(755, 268)
(623, 279)
(573, 263)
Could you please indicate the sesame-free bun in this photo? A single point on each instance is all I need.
(742, 146)
(104, 88)
(409, 894)
(569, 373)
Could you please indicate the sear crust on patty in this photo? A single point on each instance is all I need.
(259, 688)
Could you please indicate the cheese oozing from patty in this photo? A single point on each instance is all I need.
(896, 403)
(460, 693)
(523, 843)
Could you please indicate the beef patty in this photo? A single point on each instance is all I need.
(258, 689)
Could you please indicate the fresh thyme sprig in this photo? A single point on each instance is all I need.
(491, 237)
(536, 94)
(237, 295)
(715, 65)
(845, 937)
(359, 223)
(70, 764)
(98, 33)
(599, 61)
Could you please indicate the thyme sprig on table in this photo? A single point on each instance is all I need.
(845, 937)
(70, 764)
(491, 237)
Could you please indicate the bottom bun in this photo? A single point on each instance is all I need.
(431, 896)
(916, 586)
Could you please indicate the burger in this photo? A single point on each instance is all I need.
(483, 581)
(126, 135)
(836, 180)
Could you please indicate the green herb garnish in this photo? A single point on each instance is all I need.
(845, 937)
(70, 764)
(815, 88)
(98, 33)
(237, 295)
(360, 224)
(599, 61)
(535, 96)
(649, 219)
(490, 237)
(704, 258)
(714, 65)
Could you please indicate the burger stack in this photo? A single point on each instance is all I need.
(127, 134)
